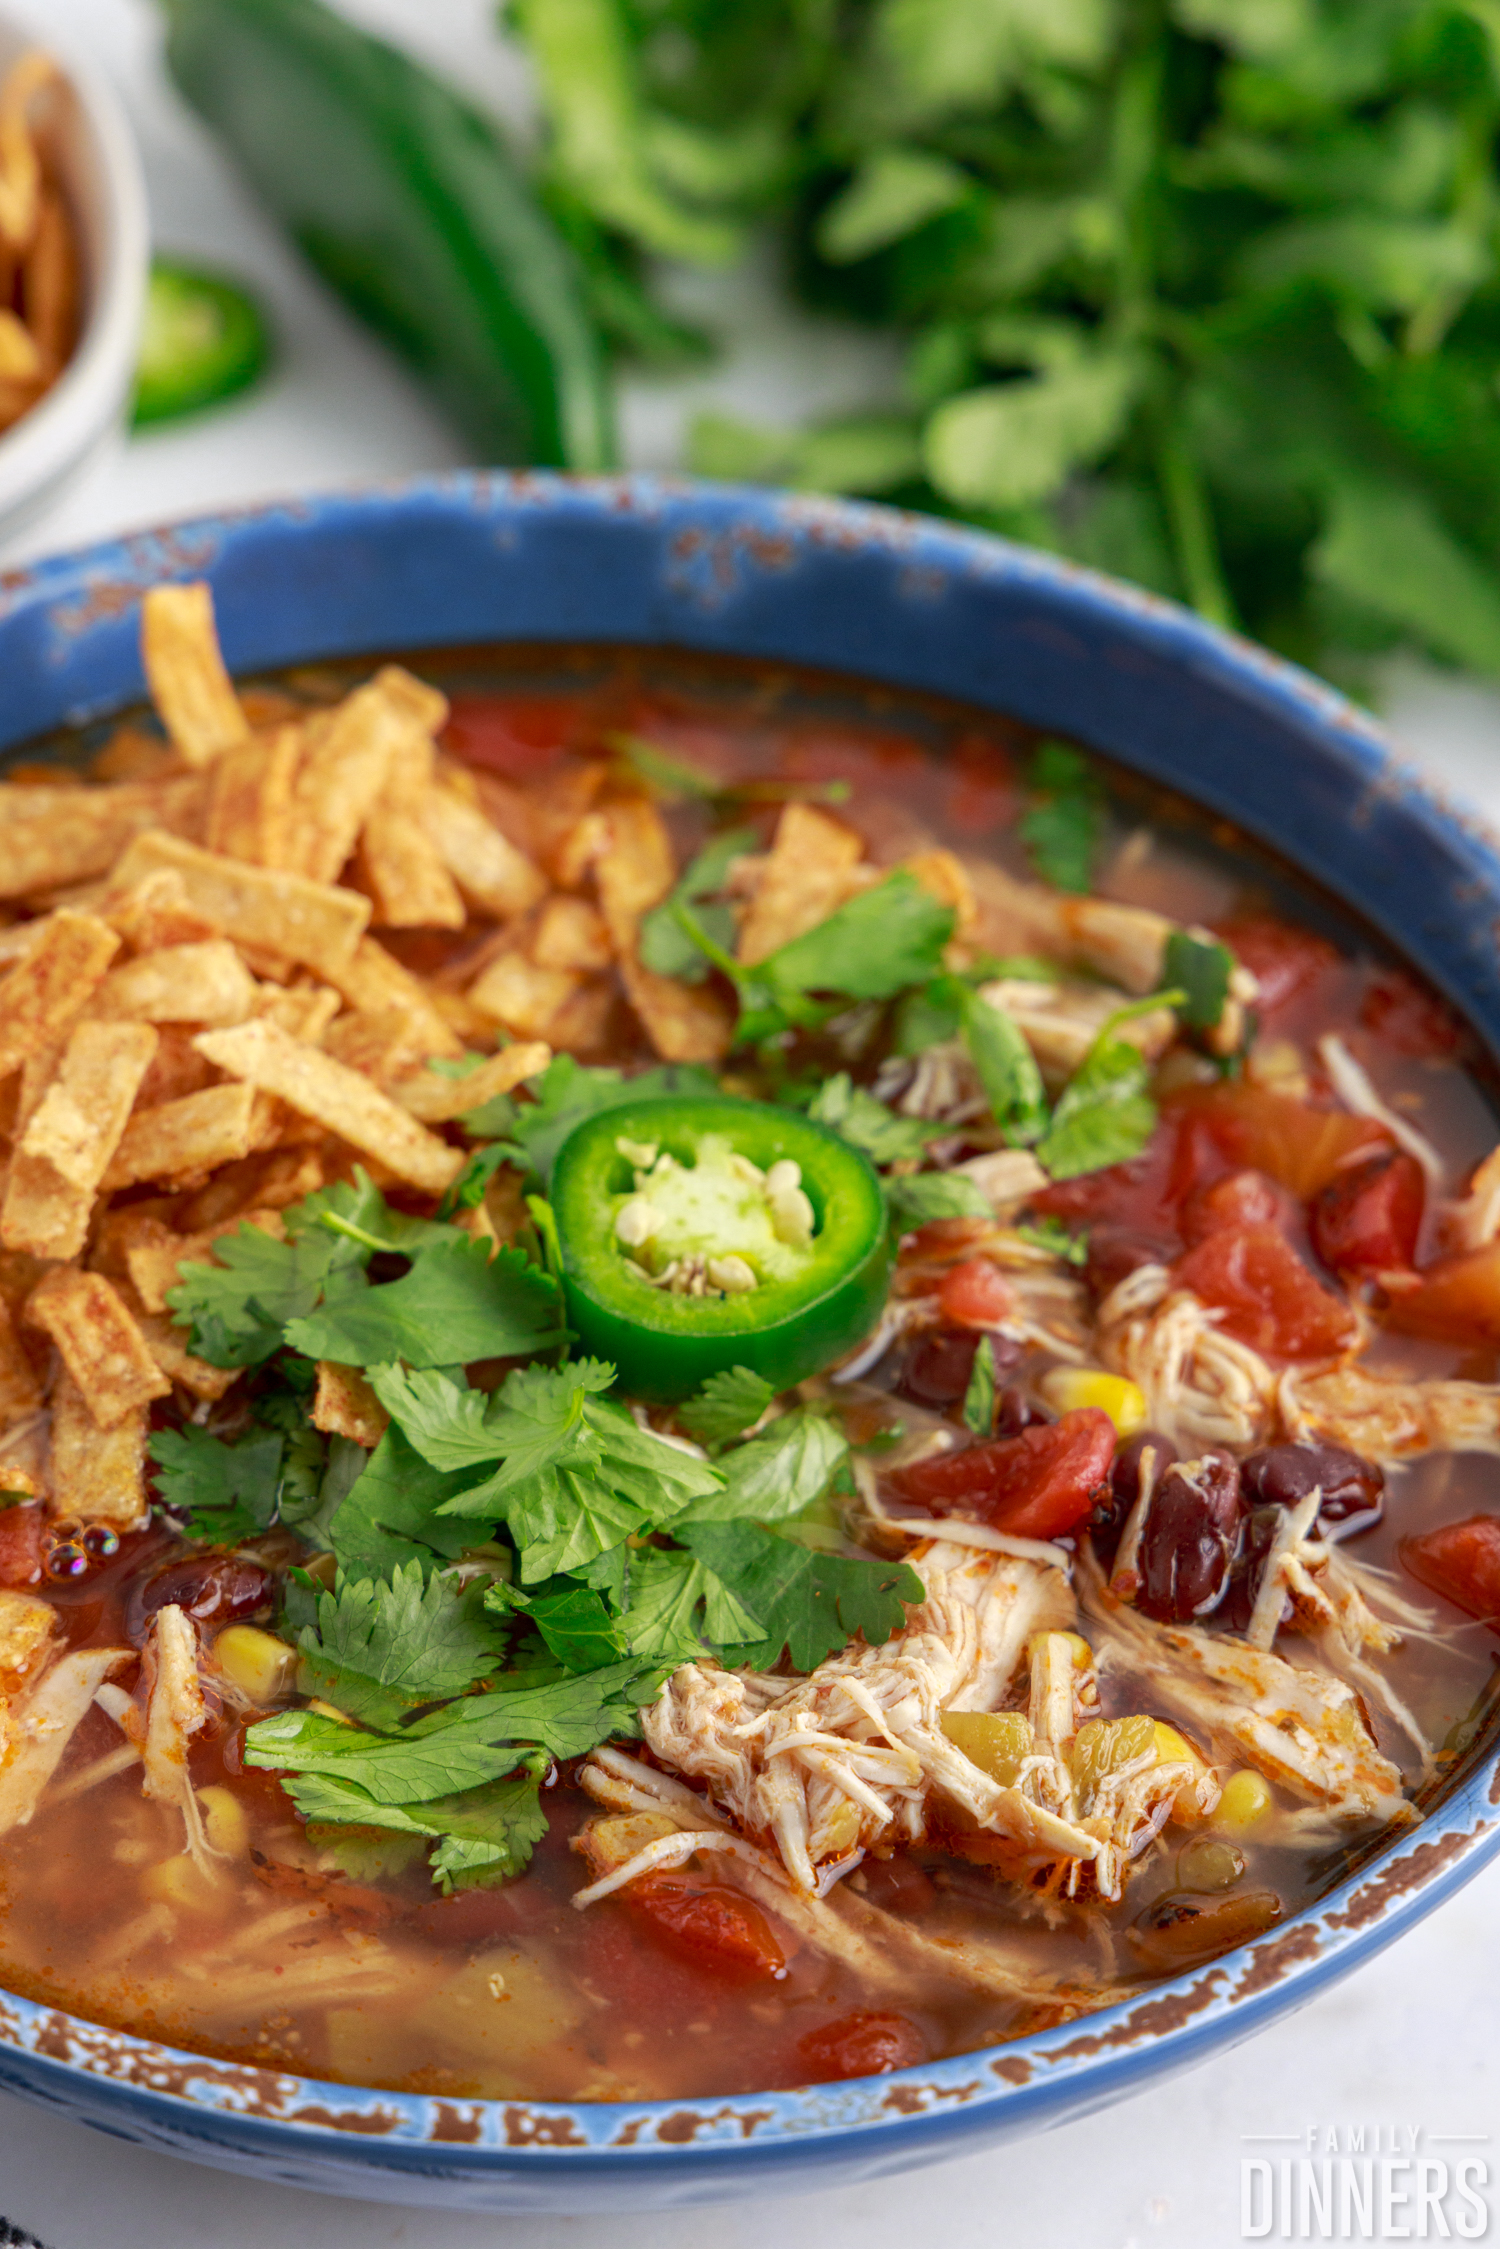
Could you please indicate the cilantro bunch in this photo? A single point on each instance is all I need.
(1202, 292)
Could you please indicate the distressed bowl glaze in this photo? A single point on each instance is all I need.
(918, 606)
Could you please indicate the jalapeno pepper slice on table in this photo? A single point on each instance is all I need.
(698, 1235)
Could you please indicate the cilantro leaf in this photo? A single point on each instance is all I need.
(1006, 1069)
(727, 1403)
(775, 1475)
(1064, 820)
(930, 1195)
(567, 1092)
(1104, 1114)
(390, 1514)
(867, 1124)
(1201, 968)
(664, 944)
(380, 1647)
(572, 1619)
(875, 945)
(1051, 1235)
(238, 1308)
(484, 1835)
(227, 1491)
(979, 1396)
(667, 1591)
(457, 1303)
(809, 1603)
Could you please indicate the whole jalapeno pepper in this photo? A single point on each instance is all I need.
(702, 1234)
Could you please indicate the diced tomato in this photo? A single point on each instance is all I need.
(715, 1927)
(21, 1544)
(1368, 1218)
(1462, 1562)
(519, 736)
(975, 1294)
(1289, 964)
(1240, 1198)
(1458, 1300)
(1301, 1148)
(1037, 1485)
(1406, 1019)
(1268, 1297)
(864, 2044)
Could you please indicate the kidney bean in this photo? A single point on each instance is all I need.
(1115, 1252)
(864, 2044)
(1353, 1489)
(1113, 1506)
(1257, 1536)
(1368, 1218)
(1015, 1411)
(1240, 1198)
(939, 1362)
(1192, 1527)
(213, 1588)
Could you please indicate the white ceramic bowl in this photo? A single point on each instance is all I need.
(63, 435)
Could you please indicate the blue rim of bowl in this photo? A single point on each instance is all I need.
(717, 539)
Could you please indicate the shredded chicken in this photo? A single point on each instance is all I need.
(1302, 1728)
(1201, 1387)
(175, 1711)
(1384, 1418)
(1061, 1021)
(1474, 1221)
(43, 1722)
(1356, 1089)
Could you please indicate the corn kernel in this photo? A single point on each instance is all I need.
(839, 1832)
(261, 1666)
(1173, 1748)
(1083, 1654)
(1069, 1388)
(224, 1822)
(181, 1882)
(615, 1840)
(1102, 1745)
(1244, 1804)
(994, 1740)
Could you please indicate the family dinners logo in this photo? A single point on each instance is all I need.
(1365, 2182)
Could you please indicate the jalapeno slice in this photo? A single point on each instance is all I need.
(203, 340)
(698, 1235)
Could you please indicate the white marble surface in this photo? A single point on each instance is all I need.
(1409, 2043)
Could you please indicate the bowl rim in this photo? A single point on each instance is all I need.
(233, 2113)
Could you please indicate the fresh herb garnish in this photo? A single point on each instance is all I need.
(1104, 1114)
(930, 1195)
(1064, 817)
(665, 945)
(1051, 1235)
(1201, 968)
(726, 1406)
(457, 1303)
(808, 1603)
(979, 1395)
(381, 1647)
(1006, 1069)
(882, 1135)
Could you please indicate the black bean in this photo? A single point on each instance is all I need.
(1353, 1489)
(215, 1589)
(1191, 1531)
(1111, 1512)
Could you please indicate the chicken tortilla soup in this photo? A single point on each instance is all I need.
(697, 1391)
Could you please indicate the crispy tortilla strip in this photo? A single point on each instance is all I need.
(46, 1722)
(156, 913)
(192, 691)
(20, 158)
(311, 922)
(399, 864)
(206, 983)
(304, 1012)
(805, 876)
(523, 998)
(570, 933)
(97, 1474)
(335, 1096)
(187, 1139)
(50, 290)
(164, 1340)
(53, 979)
(345, 1406)
(374, 981)
(491, 873)
(685, 1022)
(944, 875)
(70, 1137)
(60, 836)
(131, 754)
(250, 799)
(20, 1391)
(101, 1346)
(346, 758)
(387, 1045)
(436, 1100)
(30, 1632)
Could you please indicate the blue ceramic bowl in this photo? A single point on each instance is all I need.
(918, 606)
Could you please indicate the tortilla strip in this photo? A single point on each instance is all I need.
(387, 1045)
(398, 862)
(491, 873)
(250, 799)
(206, 983)
(164, 1340)
(44, 991)
(20, 1391)
(29, 1632)
(570, 933)
(526, 999)
(57, 837)
(345, 1406)
(436, 1100)
(186, 1139)
(685, 1022)
(191, 689)
(311, 922)
(346, 756)
(155, 913)
(20, 158)
(47, 1719)
(70, 1137)
(374, 981)
(304, 1012)
(806, 875)
(312, 1083)
(96, 1474)
(101, 1346)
